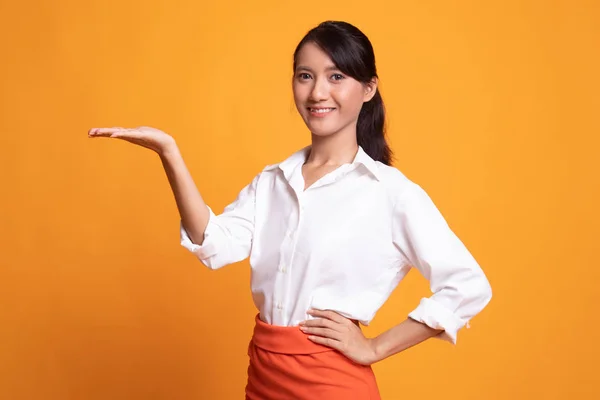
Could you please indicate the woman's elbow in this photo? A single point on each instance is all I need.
(485, 291)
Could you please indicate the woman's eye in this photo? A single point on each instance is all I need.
(337, 77)
(304, 75)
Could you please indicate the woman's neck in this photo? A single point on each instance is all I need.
(332, 150)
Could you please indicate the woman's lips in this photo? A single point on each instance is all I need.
(321, 111)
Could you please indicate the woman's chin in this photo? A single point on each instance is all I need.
(321, 130)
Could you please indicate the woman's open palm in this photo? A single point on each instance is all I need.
(145, 136)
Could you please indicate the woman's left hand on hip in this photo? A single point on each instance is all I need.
(338, 332)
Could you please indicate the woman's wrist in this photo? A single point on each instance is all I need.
(169, 150)
(401, 337)
(378, 350)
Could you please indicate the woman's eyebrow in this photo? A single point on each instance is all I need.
(305, 68)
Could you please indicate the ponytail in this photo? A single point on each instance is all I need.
(370, 130)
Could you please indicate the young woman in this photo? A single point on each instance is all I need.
(330, 233)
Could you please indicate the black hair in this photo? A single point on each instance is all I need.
(352, 53)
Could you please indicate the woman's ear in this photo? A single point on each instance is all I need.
(370, 89)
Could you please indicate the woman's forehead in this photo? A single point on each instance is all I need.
(312, 57)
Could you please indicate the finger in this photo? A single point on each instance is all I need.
(323, 332)
(122, 133)
(322, 323)
(106, 130)
(329, 315)
(334, 344)
(103, 131)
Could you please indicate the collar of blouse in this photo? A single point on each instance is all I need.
(299, 157)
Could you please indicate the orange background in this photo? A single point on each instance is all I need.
(493, 109)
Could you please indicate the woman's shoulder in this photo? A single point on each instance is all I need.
(395, 180)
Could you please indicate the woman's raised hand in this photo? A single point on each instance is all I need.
(150, 138)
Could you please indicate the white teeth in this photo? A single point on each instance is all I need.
(321, 110)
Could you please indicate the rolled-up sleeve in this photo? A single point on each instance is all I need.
(228, 236)
(460, 287)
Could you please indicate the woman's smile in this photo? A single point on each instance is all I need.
(320, 112)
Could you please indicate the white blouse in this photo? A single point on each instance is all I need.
(344, 244)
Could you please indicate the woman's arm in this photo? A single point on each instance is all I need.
(217, 240)
(329, 328)
(192, 209)
(460, 287)
(401, 337)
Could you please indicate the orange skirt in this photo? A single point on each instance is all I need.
(285, 364)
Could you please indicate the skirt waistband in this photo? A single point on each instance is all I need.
(284, 339)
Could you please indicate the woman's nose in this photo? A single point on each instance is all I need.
(320, 91)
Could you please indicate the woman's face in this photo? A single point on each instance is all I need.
(328, 100)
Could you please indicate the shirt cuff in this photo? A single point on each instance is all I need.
(207, 249)
(436, 316)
